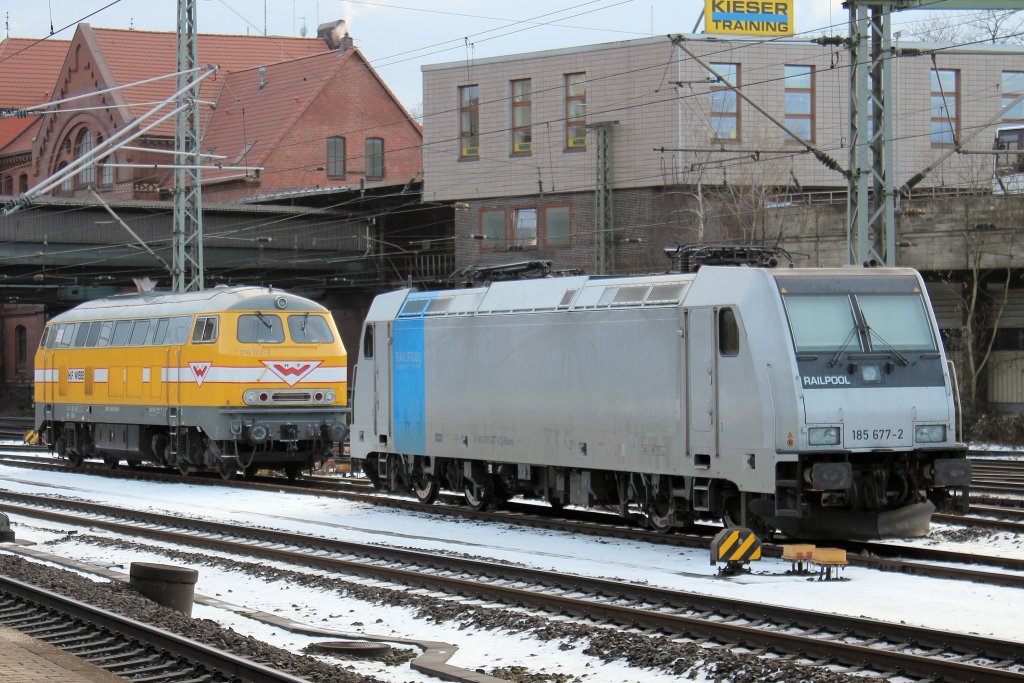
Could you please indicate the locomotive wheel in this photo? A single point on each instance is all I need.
(292, 470)
(111, 461)
(660, 517)
(251, 471)
(475, 500)
(184, 468)
(227, 471)
(426, 489)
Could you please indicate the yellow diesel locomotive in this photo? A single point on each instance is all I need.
(227, 379)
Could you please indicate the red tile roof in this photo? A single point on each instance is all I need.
(247, 113)
(137, 55)
(11, 129)
(28, 69)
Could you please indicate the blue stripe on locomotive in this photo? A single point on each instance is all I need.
(409, 409)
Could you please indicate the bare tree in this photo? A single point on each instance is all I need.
(987, 25)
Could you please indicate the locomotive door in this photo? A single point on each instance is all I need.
(701, 384)
(382, 378)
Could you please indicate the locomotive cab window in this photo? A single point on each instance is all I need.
(309, 329)
(368, 341)
(728, 333)
(822, 323)
(205, 331)
(258, 328)
(896, 321)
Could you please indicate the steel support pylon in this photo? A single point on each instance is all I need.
(188, 192)
(871, 216)
(604, 215)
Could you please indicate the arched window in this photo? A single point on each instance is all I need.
(20, 349)
(84, 145)
(106, 173)
(68, 184)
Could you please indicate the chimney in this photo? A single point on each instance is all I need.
(334, 34)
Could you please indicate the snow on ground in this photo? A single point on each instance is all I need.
(950, 605)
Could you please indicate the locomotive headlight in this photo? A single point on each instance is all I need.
(330, 397)
(929, 433)
(250, 397)
(871, 374)
(823, 436)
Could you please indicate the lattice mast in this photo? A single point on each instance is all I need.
(187, 240)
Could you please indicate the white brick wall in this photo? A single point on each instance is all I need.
(631, 82)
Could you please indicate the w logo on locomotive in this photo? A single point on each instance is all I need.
(291, 371)
(200, 371)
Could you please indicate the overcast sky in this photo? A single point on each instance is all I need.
(398, 36)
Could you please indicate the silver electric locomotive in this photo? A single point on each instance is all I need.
(818, 402)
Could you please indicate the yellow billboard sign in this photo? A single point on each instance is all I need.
(749, 17)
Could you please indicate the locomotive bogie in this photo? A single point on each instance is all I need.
(224, 379)
(816, 402)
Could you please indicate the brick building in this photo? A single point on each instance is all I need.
(515, 140)
(308, 120)
(297, 113)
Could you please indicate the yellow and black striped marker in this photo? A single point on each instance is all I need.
(735, 546)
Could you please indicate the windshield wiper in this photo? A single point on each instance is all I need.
(264, 320)
(900, 358)
(839, 352)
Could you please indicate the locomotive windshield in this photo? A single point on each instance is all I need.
(834, 323)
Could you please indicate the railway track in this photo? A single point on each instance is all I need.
(997, 475)
(861, 645)
(122, 646)
(880, 556)
(15, 427)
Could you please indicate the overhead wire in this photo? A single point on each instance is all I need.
(733, 47)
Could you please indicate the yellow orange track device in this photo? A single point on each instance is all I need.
(736, 547)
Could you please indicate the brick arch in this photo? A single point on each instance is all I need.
(70, 131)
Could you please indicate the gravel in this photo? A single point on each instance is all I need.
(122, 599)
(640, 649)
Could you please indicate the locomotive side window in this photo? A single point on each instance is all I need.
(122, 330)
(159, 331)
(139, 332)
(896, 321)
(368, 342)
(68, 337)
(45, 335)
(205, 331)
(106, 333)
(177, 331)
(309, 329)
(728, 333)
(82, 334)
(822, 323)
(258, 328)
(94, 334)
